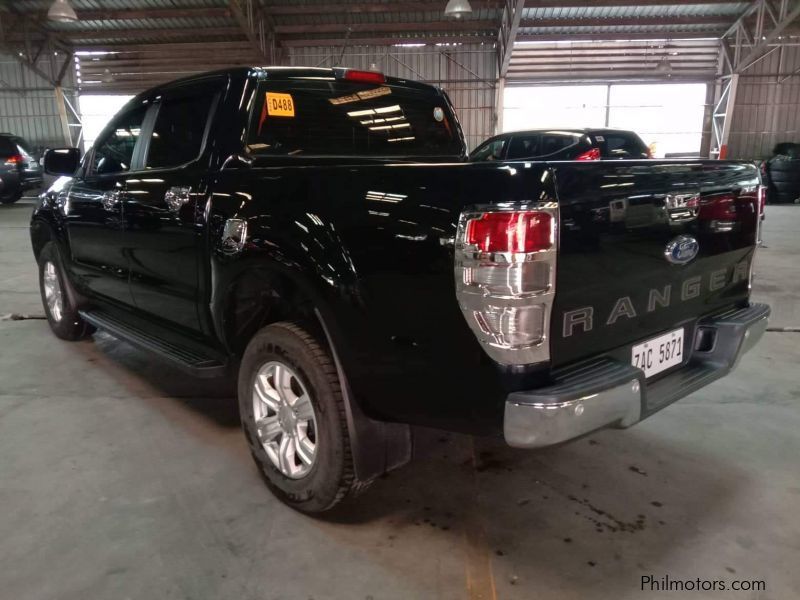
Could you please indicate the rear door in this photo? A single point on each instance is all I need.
(164, 206)
(646, 248)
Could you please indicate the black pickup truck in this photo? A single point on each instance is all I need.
(320, 233)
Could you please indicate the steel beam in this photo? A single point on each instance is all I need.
(507, 34)
(437, 26)
(757, 32)
(257, 26)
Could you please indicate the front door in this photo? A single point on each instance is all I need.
(165, 204)
(94, 209)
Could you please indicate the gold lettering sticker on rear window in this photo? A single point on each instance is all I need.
(279, 105)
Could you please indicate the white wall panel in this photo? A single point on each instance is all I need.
(28, 104)
(767, 107)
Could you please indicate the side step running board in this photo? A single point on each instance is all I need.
(192, 360)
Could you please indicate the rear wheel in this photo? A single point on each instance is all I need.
(12, 198)
(293, 415)
(62, 316)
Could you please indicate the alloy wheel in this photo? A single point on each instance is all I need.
(52, 292)
(285, 420)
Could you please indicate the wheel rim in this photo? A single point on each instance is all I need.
(52, 292)
(286, 424)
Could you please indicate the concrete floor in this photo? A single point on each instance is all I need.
(122, 479)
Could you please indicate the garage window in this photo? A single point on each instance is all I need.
(667, 116)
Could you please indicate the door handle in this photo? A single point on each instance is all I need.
(111, 199)
(176, 197)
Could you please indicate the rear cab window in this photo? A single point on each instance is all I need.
(328, 117)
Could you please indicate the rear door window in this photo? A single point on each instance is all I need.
(180, 127)
(620, 145)
(334, 118)
(527, 146)
(553, 142)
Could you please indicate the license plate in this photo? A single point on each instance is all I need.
(658, 354)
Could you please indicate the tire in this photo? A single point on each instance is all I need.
(12, 198)
(62, 316)
(277, 354)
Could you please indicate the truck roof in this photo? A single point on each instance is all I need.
(283, 73)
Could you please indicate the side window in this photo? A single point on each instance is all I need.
(622, 146)
(491, 151)
(178, 133)
(524, 147)
(114, 154)
(554, 142)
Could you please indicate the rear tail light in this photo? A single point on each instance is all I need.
(730, 211)
(363, 76)
(593, 154)
(762, 199)
(505, 272)
(14, 159)
(517, 232)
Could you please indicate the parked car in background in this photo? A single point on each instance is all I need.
(19, 168)
(781, 174)
(562, 144)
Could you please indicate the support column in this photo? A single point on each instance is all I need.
(727, 117)
(499, 104)
(62, 115)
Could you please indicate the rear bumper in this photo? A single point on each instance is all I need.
(607, 392)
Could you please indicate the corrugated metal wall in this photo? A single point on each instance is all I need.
(28, 104)
(467, 72)
(767, 110)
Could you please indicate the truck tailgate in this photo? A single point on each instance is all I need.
(647, 247)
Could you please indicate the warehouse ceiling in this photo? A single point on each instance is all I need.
(127, 45)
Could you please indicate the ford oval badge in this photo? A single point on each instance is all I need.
(682, 250)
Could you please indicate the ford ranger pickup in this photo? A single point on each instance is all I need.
(320, 234)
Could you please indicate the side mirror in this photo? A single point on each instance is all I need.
(62, 161)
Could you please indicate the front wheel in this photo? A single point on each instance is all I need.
(62, 316)
(293, 416)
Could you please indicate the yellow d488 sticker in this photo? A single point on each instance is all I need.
(279, 105)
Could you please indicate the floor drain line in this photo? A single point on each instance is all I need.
(21, 317)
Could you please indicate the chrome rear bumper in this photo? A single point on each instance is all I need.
(607, 392)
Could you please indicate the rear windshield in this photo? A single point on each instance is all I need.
(620, 144)
(335, 118)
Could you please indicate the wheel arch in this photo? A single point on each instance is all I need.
(263, 294)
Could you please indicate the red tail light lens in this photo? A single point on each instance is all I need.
(364, 76)
(593, 154)
(518, 232)
(719, 208)
(14, 159)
